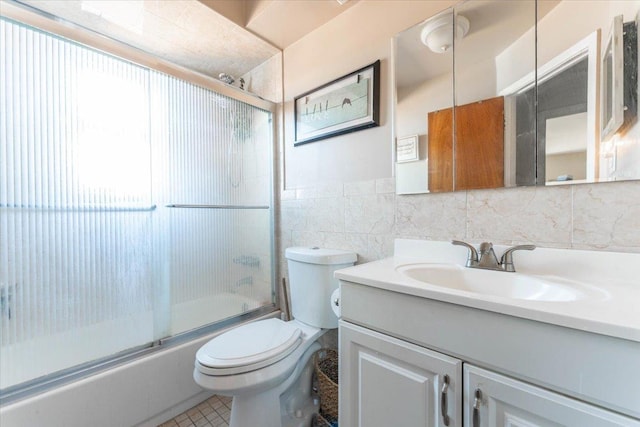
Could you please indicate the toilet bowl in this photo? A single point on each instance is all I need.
(266, 366)
(274, 355)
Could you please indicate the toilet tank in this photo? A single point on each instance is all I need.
(311, 283)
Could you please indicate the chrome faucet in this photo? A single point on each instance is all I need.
(486, 258)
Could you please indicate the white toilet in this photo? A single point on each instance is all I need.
(266, 365)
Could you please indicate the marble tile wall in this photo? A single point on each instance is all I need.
(367, 216)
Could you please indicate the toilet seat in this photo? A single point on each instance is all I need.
(248, 347)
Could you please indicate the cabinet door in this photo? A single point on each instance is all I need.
(491, 399)
(387, 382)
(479, 145)
(477, 150)
(440, 150)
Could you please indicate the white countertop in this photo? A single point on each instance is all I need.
(616, 313)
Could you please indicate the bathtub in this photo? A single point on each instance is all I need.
(191, 314)
(144, 391)
(51, 353)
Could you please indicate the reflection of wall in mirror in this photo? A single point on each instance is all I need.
(569, 167)
(566, 148)
(433, 94)
(411, 177)
(414, 102)
(476, 82)
(619, 158)
(411, 109)
(436, 94)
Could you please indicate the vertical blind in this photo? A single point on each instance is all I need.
(133, 205)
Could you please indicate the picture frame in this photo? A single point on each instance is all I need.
(407, 149)
(347, 104)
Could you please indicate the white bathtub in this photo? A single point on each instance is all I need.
(145, 391)
(192, 314)
(44, 355)
(31, 359)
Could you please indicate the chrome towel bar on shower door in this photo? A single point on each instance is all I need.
(218, 206)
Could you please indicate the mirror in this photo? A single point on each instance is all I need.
(492, 120)
(489, 132)
(424, 83)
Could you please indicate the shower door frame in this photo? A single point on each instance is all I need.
(49, 23)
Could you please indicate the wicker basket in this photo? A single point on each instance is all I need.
(319, 421)
(326, 369)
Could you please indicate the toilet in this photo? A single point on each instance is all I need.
(267, 366)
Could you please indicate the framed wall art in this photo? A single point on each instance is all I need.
(347, 104)
(407, 149)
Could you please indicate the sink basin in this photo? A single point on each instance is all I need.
(500, 284)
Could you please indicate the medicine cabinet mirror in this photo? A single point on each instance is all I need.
(492, 107)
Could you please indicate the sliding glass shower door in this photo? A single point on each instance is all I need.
(215, 174)
(134, 206)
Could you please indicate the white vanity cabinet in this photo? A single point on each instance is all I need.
(491, 399)
(396, 348)
(385, 381)
(389, 382)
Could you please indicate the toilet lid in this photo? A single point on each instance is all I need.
(259, 343)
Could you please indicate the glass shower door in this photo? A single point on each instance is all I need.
(76, 213)
(217, 204)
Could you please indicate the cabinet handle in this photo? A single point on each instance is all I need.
(443, 400)
(476, 408)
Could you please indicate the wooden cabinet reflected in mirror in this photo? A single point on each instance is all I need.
(479, 145)
(440, 151)
(477, 161)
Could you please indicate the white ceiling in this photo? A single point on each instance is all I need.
(280, 22)
(209, 36)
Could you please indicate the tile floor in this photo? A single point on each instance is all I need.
(213, 412)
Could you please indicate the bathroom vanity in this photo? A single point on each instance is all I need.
(425, 341)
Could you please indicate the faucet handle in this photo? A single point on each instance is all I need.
(473, 254)
(507, 257)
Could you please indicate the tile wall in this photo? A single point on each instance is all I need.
(367, 216)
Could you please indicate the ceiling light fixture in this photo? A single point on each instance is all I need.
(437, 33)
